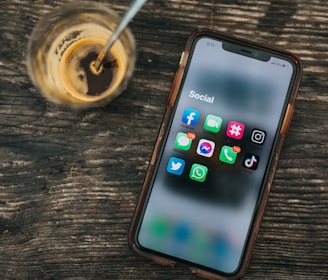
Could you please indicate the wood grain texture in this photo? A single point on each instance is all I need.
(69, 180)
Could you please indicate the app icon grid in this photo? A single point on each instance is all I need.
(206, 148)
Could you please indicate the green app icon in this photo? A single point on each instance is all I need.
(182, 141)
(228, 155)
(213, 123)
(198, 172)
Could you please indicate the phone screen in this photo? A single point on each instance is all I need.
(214, 161)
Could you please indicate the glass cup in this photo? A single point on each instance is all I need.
(66, 42)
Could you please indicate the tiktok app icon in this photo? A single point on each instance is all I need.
(251, 161)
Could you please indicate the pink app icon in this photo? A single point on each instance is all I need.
(235, 130)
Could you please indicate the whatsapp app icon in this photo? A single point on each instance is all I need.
(198, 172)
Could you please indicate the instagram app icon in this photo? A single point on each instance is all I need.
(258, 136)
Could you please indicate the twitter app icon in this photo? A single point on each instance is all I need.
(175, 166)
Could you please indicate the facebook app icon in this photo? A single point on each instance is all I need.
(190, 117)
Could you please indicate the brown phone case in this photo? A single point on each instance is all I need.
(289, 109)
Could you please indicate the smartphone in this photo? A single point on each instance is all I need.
(209, 177)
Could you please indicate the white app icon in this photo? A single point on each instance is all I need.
(205, 148)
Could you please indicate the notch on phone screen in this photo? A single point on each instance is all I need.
(243, 50)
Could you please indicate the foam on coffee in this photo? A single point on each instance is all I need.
(77, 76)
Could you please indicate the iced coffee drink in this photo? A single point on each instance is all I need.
(65, 44)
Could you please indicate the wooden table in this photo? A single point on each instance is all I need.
(69, 180)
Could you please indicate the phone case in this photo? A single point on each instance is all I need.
(265, 191)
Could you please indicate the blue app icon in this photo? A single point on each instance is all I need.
(175, 166)
(190, 117)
